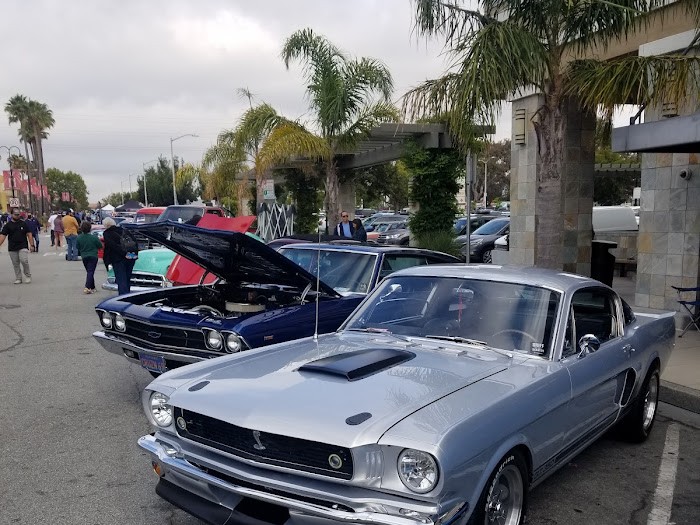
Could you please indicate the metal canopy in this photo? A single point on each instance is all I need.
(669, 135)
(384, 143)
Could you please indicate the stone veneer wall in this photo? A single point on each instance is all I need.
(575, 208)
(669, 229)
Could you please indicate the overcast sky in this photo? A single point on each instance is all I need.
(122, 77)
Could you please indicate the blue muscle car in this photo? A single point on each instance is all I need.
(262, 297)
(444, 398)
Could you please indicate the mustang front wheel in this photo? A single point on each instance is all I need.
(503, 500)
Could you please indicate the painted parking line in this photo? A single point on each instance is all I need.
(666, 483)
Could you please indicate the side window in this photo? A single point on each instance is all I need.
(569, 336)
(395, 262)
(595, 313)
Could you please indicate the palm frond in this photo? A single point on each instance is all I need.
(310, 48)
(254, 126)
(448, 19)
(650, 80)
(288, 142)
(370, 117)
(367, 76)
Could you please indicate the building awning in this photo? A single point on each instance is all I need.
(669, 135)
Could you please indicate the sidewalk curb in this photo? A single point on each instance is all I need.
(680, 396)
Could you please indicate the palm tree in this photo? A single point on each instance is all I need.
(509, 45)
(341, 92)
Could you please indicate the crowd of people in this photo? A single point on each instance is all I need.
(22, 231)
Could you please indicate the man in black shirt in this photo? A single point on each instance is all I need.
(20, 243)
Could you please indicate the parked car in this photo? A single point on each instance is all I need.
(361, 213)
(186, 212)
(381, 227)
(263, 296)
(370, 222)
(99, 230)
(397, 236)
(148, 215)
(482, 240)
(444, 398)
(476, 221)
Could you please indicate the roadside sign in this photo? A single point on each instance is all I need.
(14, 202)
(269, 189)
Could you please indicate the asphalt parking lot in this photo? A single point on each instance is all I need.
(70, 417)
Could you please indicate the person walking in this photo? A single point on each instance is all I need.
(52, 219)
(58, 230)
(88, 245)
(19, 244)
(35, 228)
(344, 228)
(121, 251)
(360, 233)
(70, 230)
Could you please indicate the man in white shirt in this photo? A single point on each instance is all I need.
(51, 219)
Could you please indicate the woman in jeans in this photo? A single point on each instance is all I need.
(88, 245)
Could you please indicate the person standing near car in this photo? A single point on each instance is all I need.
(121, 251)
(344, 227)
(70, 230)
(88, 247)
(19, 245)
(360, 233)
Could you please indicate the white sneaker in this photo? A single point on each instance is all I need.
(28, 280)
(18, 281)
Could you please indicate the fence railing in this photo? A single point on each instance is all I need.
(275, 221)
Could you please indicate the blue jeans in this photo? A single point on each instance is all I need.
(122, 274)
(90, 264)
(72, 253)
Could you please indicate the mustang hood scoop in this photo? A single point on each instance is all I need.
(358, 364)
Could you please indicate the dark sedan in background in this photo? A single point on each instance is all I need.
(482, 240)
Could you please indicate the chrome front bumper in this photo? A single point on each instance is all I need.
(112, 287)
(176, 470)
(117, 345)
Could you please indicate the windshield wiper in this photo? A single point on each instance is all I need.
(373, 330)
(466, 340)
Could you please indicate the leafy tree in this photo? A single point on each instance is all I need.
(60, 182)
(511, 44)
(608, 189)
(304, 188)
(118, 198)
(497, 157)
(385, 182)
(159, 181)
(340, 91)
(435, 183)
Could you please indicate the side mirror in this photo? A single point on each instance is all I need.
(588, 344)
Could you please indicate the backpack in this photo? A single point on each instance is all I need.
(128, 243)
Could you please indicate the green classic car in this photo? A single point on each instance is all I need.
(149, 271)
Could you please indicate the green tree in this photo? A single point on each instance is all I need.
(385, 182)
(436, 175)
(118, 198)
(497, 158)
(612, 189)
(508, 45)
(60, 182)
(341, 95)
(159, 182)
(304, 187)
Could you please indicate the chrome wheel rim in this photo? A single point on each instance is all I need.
(487, 256)
(504, 505)
(650, 401)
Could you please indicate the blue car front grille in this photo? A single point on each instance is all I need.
(165, 336)
(272, 449)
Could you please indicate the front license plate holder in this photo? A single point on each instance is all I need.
(154, 363)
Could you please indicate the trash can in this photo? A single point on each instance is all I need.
(602, 261)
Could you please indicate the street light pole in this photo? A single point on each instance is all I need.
(145, 190)
(172, 160)
(486, 174)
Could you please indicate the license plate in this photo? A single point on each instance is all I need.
(153, 363)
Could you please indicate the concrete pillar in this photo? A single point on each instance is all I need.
(347, 198)
(569, 215)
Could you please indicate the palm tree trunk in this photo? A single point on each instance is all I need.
(39, 152)
(259, 178)
(549, 230)
(332, 200)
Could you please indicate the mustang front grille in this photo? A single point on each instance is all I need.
(161, 335)
(273, 449)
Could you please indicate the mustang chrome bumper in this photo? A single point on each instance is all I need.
(120, 346)
(200, 492)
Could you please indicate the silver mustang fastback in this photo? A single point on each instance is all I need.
(446, 396)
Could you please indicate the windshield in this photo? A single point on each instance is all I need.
(180, 214)
(490, 228)
(345, 272)
(501, 315)
(459, 224)
(146, 218)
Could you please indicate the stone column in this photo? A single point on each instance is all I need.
(347, 198)
(571, 210)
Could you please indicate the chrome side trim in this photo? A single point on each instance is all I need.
(150, 444)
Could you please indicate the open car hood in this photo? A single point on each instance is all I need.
(230, 255)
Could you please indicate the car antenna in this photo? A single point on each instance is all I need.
(318, 283)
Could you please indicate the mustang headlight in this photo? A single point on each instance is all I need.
(161, 411)
(233, 343)
(214, 339)
(119, 322)
(418, 470)
(106, 319)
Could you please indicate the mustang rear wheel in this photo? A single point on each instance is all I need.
(637, 424)
(504, 498)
